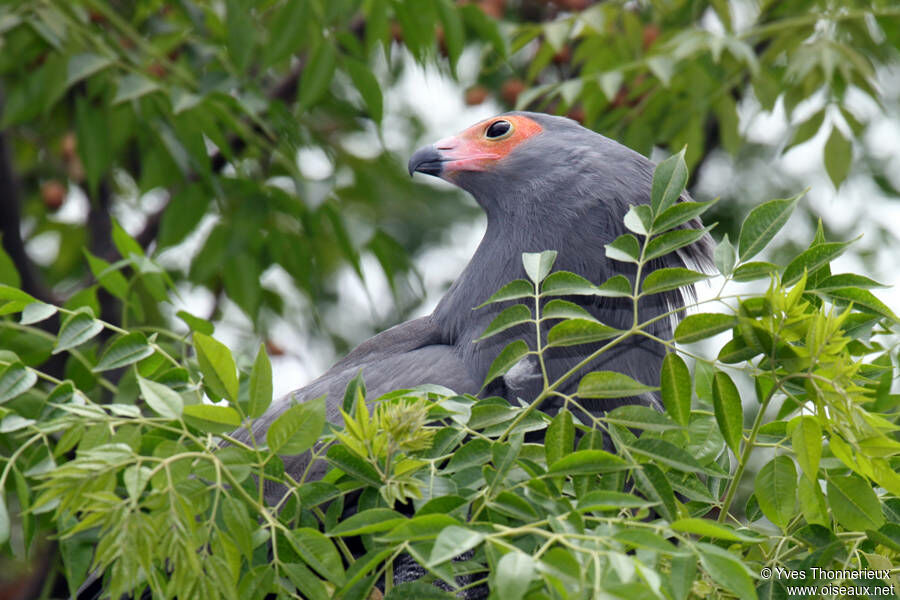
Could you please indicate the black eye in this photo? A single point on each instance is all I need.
(498, 129)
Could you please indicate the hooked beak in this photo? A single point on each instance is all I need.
(449, 156)
(428, 160)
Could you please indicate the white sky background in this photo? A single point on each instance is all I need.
(438, 101)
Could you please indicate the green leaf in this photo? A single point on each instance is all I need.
(196, 323)
(724, 256)
(762, 224)
(682, 573)
(680, 213)
(9, 275)
(354, 393)
(727, 570)
(641, 538)
(15, 380)
(353, 465)
(673, 240)
(560, 438)
(635, 416)
(318, 552)
(372, 520)
(586, 462)
(610, 384)
(517, 314)
(4, 521)
(806, 130)
(811, 260)
(704, 325)
(485, 28)
(707, 528)
(37, 312)
(812, 502)
(564, 283)
(298, 428)
(84, 65)
(513, 575)
(579, 331)
(634, 219)
(217, 366)
(663, 452)
(260, 391)
(317, 74)
(211, 418)
(615, 287)
(538, 264)
(474, 452)
(511, 291)
(13, 294)
(752, 271)
(93, 140)
(367, 86)
(838, 156)
(610, 500)
(111, 279)
(286, 31)
(806, 441)
(863, 300)
(652, 483)
(164, 401)
(508, 357)
(728, 409)
(123, 351)
(419, 528)
(132, 87)
(454, 33)
(78, 328)
(776, 490)
(853, 503)
(451, 542)
(182, 215)
(669, 179)
(124, 243)
(624, 248)
(675, 381)
(563, 309)
(843, 280)
(663, 280)
(239, 33)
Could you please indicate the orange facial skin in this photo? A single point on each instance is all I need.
(472, 150)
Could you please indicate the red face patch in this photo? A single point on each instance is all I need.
(485, 143)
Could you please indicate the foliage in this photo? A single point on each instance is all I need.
(123, 459)
(173, 115)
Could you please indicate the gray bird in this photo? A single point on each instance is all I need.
(545, 183)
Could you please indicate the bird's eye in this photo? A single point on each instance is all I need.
(498, 129)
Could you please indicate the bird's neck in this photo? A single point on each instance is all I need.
(496, 262)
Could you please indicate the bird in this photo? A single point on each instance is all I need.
(545, 183)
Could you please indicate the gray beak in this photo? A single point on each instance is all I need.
(428, 160)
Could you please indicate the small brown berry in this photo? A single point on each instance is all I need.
(274, 349)
(157, 70)
(576, 113)
(651, 32)
(476, 95)
(68, 146)
(511, 89)
(574, 5)
(563, 56)
(493, 8)
(53, 193)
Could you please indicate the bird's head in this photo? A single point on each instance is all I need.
(545, 161)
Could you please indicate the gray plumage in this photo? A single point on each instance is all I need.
(565, 189)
